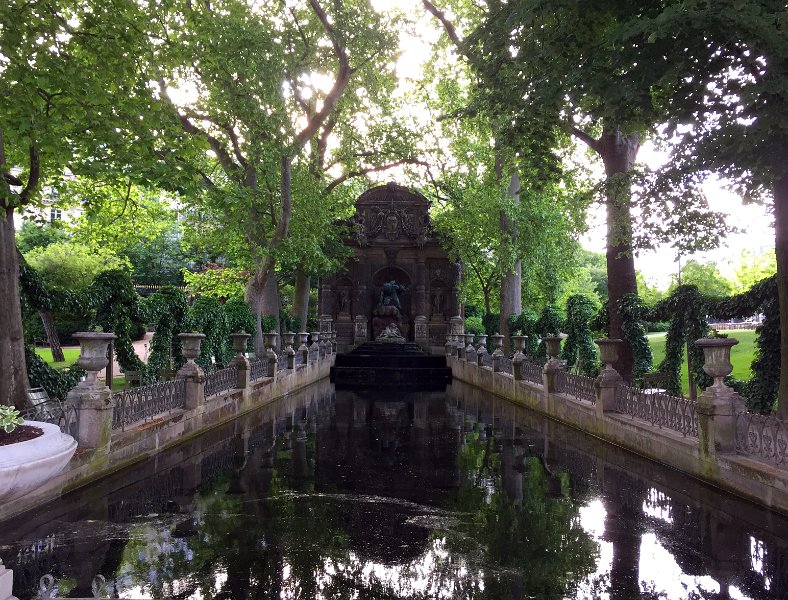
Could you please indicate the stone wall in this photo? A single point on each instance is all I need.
(149, 438)
(753, 479)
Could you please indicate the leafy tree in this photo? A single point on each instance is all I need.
(556, 72)
(72, 266)
(706, 277)
(648, 293)
(33, 235)
(753, 268)
(217, 282)
(66, 80)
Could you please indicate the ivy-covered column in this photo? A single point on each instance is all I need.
(609, 379)
(92, 398)
(239, 361)
(191, 371)
(718, 406)
(553, 365)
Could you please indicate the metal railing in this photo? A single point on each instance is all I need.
(533, 372)
(579, 386)
(281, 362)
(662, 410)
(258, 368)
(471, 356)
(62, 414)
(140, 404)
(487, 360)
(505, 365)
(763, 437)
(221, 381)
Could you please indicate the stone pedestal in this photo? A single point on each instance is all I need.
(270, 352)
(360, 334)
(609, 379)
(6, 583)
(303, 349)
(191, 371)
(239, 361)
(497, 352)
(420, 335)
(289, 338)
(553, 365)
(95, 406)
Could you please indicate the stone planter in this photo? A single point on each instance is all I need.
(608, 351)
(717, 357)
(553, 345)
(93, 349)
(190, 345)
(240, 341)
(481, 343)
(519, 343)
(497, 340)
(26, 466)
(270, 340)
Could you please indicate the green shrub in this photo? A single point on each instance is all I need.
(474, 325)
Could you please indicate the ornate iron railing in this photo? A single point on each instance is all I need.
(221, 381)
(670, 412)
(64, 415)
(299, 359)
(258, 368)
(146, 402)
(763, 437)
(471, 356)
(533, 372)
(281, 362)
(579, 386)
(487, 360)
(505, 365)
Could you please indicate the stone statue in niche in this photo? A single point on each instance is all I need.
(437, 303)
(389, 303)
(344, 301)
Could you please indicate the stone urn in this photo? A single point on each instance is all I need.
(608, 351)
(497, 341)
(717, 358)
(519, 343)
(481, 343)
(93, 350)
(190, 345)
(553, 345)
(302, 337)
(289, 338)
(270, 340)
(240, 341)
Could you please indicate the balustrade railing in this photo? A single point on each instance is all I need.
(579, 386)
(505, 365)
(64, 415)
(662, 410)
(140, 404)
(763, 437)
(220, 381)
(533, 372)
(258, 368)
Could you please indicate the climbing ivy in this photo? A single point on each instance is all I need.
(117, 308)
(549, 323)
(207, 316)
(579, 346)
(525, 323)
(57, 383)
(167, 308)
(633, 314)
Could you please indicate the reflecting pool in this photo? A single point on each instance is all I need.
(455, 494)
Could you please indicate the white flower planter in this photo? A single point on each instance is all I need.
(25, 466)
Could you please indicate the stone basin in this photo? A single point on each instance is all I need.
(25, 466)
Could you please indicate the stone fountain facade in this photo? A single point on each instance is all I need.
(399, 274)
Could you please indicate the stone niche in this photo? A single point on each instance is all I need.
(398, 274)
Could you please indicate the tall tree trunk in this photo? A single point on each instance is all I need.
(618, 152)
(301, 298)
(262, 295)
(52, 338)
(511, 282)
(271, 302)
(781, 250)
(13, 379)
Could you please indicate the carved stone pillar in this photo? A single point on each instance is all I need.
(420, 287)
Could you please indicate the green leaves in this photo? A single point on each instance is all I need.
(9, 418)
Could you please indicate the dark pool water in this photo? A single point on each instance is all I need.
(338, 494)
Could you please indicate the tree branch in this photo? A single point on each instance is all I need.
(447, 25)
(591, 142)
(361, 172)
(33, 178)
(343, 77)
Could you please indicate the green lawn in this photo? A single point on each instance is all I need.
(71, 355)
(741, 354)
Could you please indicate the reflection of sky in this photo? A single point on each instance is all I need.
(657, 568)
